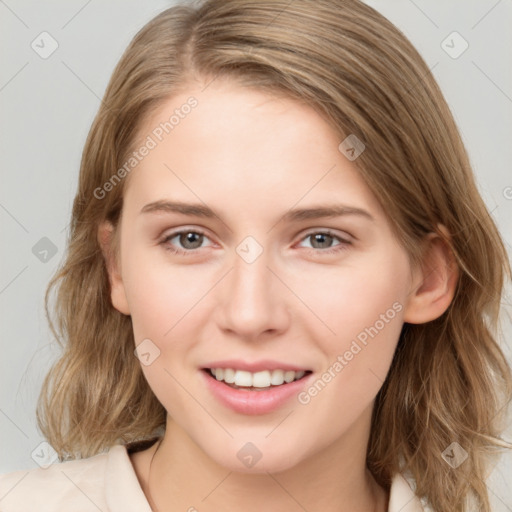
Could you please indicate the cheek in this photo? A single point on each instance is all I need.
(366, 312)
(164, 304)
(361, 308)
(352, 297)
(161, 294)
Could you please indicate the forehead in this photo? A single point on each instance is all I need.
(240, 146)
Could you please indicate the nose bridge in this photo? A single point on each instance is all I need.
(250, 283)
(252, 302)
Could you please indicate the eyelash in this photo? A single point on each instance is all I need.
(190, 252)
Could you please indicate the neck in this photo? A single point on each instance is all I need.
(180, 476)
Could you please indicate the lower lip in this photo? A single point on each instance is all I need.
(253, 402)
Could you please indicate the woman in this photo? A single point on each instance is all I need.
(277, 213)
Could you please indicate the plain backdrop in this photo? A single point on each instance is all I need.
(47, 105)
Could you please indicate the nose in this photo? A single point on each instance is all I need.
(253, 303)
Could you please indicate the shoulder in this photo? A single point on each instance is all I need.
(77, 482)
(402, 497)
(106, 481)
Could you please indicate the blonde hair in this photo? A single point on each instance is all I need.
(449, 379)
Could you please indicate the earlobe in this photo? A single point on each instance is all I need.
(117, 291)
(434, 287)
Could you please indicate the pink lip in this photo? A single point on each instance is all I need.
(253, 402)
(256, 366)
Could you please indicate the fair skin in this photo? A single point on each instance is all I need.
(252, 157)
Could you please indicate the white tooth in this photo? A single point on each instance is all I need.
(229, 375)
(243, 378)
(261, 379)
(277, 377)
(289, 376)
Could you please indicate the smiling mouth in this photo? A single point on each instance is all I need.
(257, 381)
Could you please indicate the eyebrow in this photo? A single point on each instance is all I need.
(293, 215)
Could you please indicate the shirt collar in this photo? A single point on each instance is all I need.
(402, 497)
(123, 492)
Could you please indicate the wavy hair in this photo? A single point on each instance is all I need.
(449, 379)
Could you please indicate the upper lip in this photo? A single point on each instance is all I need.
(255, 366)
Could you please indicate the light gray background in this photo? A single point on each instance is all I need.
(47, 108)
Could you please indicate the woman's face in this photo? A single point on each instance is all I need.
(263, 281)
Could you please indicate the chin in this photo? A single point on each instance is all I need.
(252, 458)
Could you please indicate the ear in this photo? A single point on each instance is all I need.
(434, 283)
(117, 291)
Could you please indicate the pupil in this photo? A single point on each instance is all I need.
(188, 238)
(323, 239)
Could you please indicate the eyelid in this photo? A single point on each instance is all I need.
(345, 240)
(345, 237)
(310, 231)
(342, 245)
(179, 231)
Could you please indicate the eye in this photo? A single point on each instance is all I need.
(323, 240)
(190, 239)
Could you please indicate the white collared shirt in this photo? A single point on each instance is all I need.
(107, 482)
